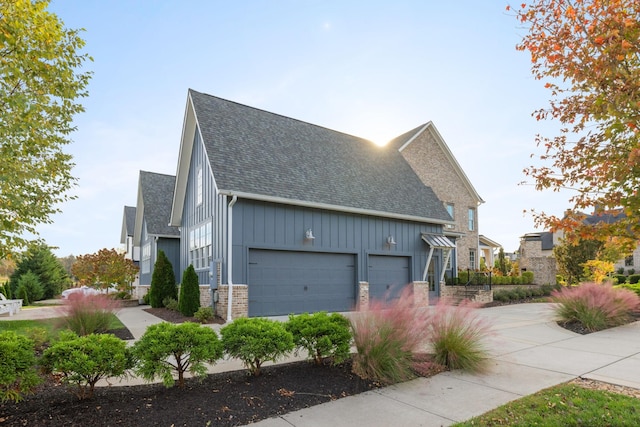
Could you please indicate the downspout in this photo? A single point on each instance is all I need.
(229, 258)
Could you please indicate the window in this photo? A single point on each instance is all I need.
(146, 258)
(199, 187)
(472, 258)
(472, 219)
(449, 207)
(628, 261)
(200, 250)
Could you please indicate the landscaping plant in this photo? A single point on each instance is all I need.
(166, 348)
(256, 340)
(595, 306)
(163, 282)
(83, 361)
(204, 314)
(456, 334)
(88, 314)
(386, 337)
(321, 335)
(189, 301)
(18, 375)
(29, 288)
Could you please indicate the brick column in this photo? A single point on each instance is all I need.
(421, 294)
(363, 296)
(239, 305)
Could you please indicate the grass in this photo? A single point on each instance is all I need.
(52, 327)
(564, 405)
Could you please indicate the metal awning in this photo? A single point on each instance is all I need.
(438, 241)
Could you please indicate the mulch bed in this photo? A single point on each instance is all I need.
(174, 316)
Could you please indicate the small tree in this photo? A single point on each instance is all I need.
(29, 288)
(571, 257)
(189, 301)
(166, 348)
(163, 281)
(41, 261)
(104, 268)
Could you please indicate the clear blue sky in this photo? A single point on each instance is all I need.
(374, 69)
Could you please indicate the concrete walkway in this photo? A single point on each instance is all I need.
(529, 353)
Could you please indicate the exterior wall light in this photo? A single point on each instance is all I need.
(308, 235)
(390, 240)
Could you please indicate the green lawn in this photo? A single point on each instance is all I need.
(50, 325)
(564, 405)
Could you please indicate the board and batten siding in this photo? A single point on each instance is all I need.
(194, 214)
(264, 225)
(171, 248)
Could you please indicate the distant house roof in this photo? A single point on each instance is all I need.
(155, 195)
(607, 217)
(545, 237)
(128, 223)
(261, 155)
(401, 142)
(485, 241)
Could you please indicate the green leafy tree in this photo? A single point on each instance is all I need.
(189, 301)
(40, 260)
(105, 268)
(501, 263)
(587, 54)
(166, 348)
(40, 64)
(163, 282)
(29, 288)
(570, 257)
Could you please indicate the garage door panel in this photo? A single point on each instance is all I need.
(388, 276)
(284, 282)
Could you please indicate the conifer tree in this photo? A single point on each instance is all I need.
(163, 282)
(189, 301)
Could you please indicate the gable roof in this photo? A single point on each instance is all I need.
(401, 142)
(484, 240)
(265, 156)
(155, 195)
(128, 223)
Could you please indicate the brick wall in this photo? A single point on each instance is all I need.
(363, 296)
(435, 170)
(239, 305)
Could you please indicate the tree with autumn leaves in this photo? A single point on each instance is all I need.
(587, 54)
(105, 268)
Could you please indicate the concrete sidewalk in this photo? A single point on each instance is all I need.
(530, 352)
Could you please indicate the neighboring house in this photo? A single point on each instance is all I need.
(152, 231)
(132, 252)
(430, 157)
(296, 218)
(536, 255)
(488, 249)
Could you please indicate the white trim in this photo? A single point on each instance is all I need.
(285, 201)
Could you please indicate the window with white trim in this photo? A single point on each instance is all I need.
(472, 219)
(145, 259)
(450, 210)
(200, 249)
(472, 258)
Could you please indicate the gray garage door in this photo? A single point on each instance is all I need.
(284, 282)
(388, 276)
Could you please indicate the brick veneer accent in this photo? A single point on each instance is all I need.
(239, 305)
(456, 293)
(421, 294)
(363, 296)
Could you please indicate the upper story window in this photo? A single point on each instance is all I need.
(628, 261)
(199, 187)
(450, 210)
(145, 259)
(200, 249)
(472, 219)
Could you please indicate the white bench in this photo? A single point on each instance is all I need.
(10, 306)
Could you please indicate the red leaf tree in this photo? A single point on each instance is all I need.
(104, 268)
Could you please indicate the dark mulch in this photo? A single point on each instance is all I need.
(174, 316)
(224, 399)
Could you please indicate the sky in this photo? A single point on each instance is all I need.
(374, 69)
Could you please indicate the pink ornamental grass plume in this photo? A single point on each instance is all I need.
(595, 306)
(87, 314)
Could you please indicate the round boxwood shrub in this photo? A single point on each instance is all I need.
(256, 340)
(18, 375)
(321, 335)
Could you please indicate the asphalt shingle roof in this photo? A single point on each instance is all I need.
(130, 219)
(262, 153)
(157, 196)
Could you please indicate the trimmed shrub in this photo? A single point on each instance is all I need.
(163, 282)
(145, 298)
(463, 277)
(634, 288)
(204, 314)
(620, 271)
(170, 304)
(256, 340)
(595, 306)
(39, 336)
(18, 374)
(88, 314)
(321, 335)
(501, 295)
(527, 277)
(546, 289)
(456, 334)
(189, 301)
(29, 288)
(621, 278)
(516, 280)
(83, 361)
(634, 278)
(166, 348)
(386, 337)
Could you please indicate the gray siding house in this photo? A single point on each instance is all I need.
(294, 217)
(152, 231)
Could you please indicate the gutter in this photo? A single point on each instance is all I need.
(234, 199)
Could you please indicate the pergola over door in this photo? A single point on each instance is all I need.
(437, 241)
